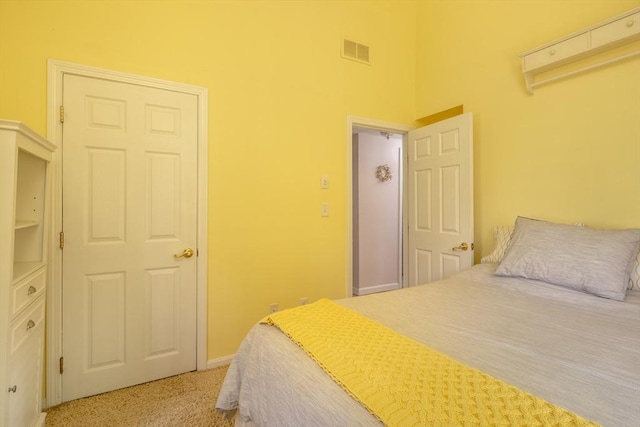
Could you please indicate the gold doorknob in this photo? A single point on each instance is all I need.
(187, 253)
(463, 247)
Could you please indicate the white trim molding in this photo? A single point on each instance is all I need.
(56, 70)
(220, 361)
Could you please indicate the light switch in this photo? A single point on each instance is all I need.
(324, 181)
(324, 209)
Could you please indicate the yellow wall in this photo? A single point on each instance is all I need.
(279, 96)
(571, 151)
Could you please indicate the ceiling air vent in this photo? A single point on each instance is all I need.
(356, 51)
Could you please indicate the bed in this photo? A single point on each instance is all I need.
(563, 344)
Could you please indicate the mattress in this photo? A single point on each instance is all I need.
(578, 351)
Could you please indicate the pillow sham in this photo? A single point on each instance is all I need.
(501, 240)
(585, 259)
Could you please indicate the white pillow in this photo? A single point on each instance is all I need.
(501, 239)
(634, 275)
(581, 258)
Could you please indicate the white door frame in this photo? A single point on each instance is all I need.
(362, 122)
(56, 72)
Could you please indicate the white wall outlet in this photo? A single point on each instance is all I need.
(273, 308)
(324, 181)
(324, 209)
(304, 301)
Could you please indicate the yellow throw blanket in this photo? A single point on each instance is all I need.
(404, 383)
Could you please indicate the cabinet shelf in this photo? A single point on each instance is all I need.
(592, 41)
(23, 269)
(26, 224)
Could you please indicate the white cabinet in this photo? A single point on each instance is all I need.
(594, 40)
(24, 211)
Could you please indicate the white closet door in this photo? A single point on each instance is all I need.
(129, 205)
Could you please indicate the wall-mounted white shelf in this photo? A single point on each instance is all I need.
(593, 40)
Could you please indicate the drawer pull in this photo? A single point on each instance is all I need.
(552, 52)
(30, 324)
(31, 290)
(13, 389)
(630, 23)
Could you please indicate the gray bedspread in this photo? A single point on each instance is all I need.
(576, 350)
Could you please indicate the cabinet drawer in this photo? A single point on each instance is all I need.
(556, 52)
(27, 291)
(29, 323)
(615, 31)
(25, 374)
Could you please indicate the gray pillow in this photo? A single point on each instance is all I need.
(581, 258)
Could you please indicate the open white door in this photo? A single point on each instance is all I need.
(440, 199)
(129, 205)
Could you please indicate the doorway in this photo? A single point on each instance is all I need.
(437, 198)
(377, 210)
(372, 127)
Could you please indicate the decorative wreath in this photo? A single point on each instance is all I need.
(383, 173)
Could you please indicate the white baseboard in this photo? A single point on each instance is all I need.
(41, 419)
(378, 288)
(220, 361)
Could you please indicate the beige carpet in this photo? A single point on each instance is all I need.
(184, 400)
